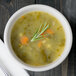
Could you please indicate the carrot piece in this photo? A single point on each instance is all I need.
(43, 33)
(24, 40)
(39, 44)
(49, 31)
(23, 17)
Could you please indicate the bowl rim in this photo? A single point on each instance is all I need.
(46, 67)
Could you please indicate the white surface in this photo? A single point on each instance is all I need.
(9, 63)
(50, 10)
(1, 73)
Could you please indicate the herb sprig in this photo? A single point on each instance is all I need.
(38, 34)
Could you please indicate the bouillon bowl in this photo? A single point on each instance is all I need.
(53, 12)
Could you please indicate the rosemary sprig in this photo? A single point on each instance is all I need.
(37, 35)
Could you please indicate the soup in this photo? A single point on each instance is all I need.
(38, 38)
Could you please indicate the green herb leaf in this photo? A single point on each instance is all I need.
(37, 35)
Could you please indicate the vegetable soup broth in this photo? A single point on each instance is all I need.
(42, 51)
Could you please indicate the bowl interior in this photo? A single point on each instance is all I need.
(51, 11)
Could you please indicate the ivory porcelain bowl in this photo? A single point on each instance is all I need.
(55, 13)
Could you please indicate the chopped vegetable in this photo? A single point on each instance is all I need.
(39, 44)
(21, 34)
(48, 46)
(44, 41)
(49, 31)
(23, 17)
(43, 33)
(24, 40)
(20, 46)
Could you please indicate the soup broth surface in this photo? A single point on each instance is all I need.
(38, 52)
